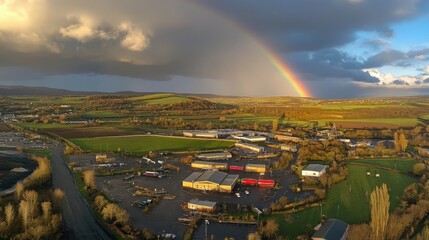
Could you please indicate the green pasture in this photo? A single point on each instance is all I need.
(403, 165)
(164, 98)
(347, 200)
(47, 126)
(141, 145)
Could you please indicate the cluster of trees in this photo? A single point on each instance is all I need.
(321, 151)
(400, 141)
(283, 161)
(111, 212)
(195, 104)
(365, 152)
(29, 218)
(280, 204)
(107, 102)
(334, 175)
(369, 133)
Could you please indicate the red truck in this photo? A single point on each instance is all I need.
(266, 183)
(249, 182)
(236, 168)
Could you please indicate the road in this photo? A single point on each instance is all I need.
(79, 222)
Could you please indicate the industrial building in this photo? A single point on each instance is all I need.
(314, 170)
(332, 229)
(203, 206)
(211, 181)
(251, 138)
(201, 134)
(260, 168)
(289, 148)
(209, 165)
(251, 147)
(215, 156)
(288, 138)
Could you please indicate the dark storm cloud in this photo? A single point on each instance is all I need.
(157, 40)
(312, 25)
(399, 82)
(426, 80)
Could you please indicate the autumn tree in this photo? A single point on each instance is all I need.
(275, 125)
(424, 235)
(270, 228)
(403, 142)
(89, 179)
(19, 189)
(9, 212)
(47, 211)
(254, 236)
(380, 204)
(32, 199)
(58, 196)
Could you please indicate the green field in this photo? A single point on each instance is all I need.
(164, 98)
(348, 200)
(141, 145)
(400, 164)
(47, 126)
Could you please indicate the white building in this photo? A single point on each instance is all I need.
(215, 156)
(314, 170)
(251, 138)
(288, 138)
(251, 147)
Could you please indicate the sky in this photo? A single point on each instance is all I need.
(332, 48)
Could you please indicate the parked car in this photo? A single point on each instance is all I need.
(247, 192)
(237, 194)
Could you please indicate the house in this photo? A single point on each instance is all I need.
(260, 168)
(203, 206)
(314, 170)
(215, 156)
(251, 147)
(332, 229)
(288, 138)
(211, 181)
(289, 148)
(209, 165)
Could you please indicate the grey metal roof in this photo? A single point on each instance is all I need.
(212, 176)
(216, 154)
(209, 163)
(332, 229)
(230, 179)
(315, 167)
(255, 165)
(202, 203)
(194, 176)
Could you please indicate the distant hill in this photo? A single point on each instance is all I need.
(45, 91)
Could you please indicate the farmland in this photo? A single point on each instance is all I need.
(140, 145)
(348, 200)
(399, 164)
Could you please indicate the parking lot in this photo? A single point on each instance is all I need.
(163, 217)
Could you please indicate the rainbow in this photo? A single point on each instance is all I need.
(279, 64)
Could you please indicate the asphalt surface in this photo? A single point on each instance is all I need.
(79, 222)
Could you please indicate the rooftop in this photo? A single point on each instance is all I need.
(213, 176)
(194, 176)
(230, 179)
(315, 167)
(202, 203)
(208, 163)
(331, 229)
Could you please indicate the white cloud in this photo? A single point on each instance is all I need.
(134, 39)
(390, 80)
(82, 31)
(420, 57)
(426, 68)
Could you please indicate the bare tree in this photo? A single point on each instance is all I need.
(32, 198)
(47, 211)
(380, 204)
(19, 189)
(89, 179)
(9, 212)
(58, 196)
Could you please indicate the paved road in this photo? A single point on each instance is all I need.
(79, 223)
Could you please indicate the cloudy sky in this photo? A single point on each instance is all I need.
(336, 48)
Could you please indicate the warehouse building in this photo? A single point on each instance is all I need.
(202, 206)
(288, 138)
(251, 147)
(215, 156)
(251, 138)
(314, 170)
(260, 168)
(289, 148)
(209, 165)
(211, 181)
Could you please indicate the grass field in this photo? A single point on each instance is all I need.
(141, 145)
(400, 164)
(164, 98)
(348, 200)
(48, 126)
